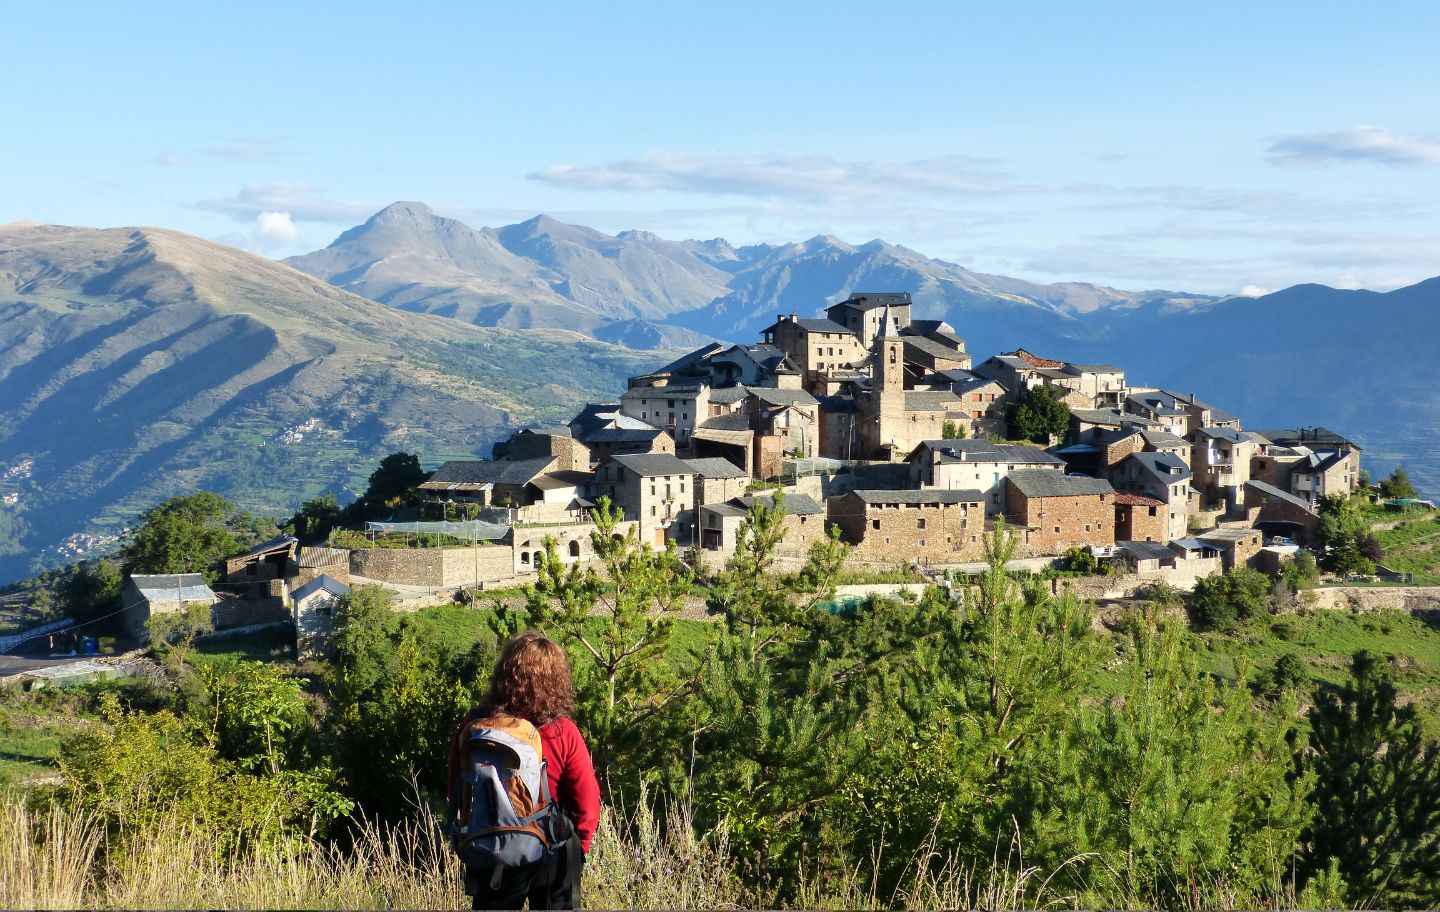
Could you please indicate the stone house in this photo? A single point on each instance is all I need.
(815, 346)
(320, 560)
(981, 399)
(1102, 385)
(272, 560)
(803, 525)
(1220, 461)
(935, 525)
(1168, 444)
(792, 416)
(537, 443)
(1277, 512)
(674, 409)
(627, 441)
(717, 480)
(863, 313)
(1180, 414)
(1239, 547)
(145, 596)
(488, 483)
(976, 464)
(754, 365)
(558, 496)
(1279, 454)
(1141, 518)
(652, 489)
(313, 611)
(1161, 476)
(1061, 511)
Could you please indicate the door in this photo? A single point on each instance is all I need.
(659, 538)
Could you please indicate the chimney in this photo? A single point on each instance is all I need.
(779, 318)
(792, 318)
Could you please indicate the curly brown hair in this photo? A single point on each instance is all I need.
(532, 680)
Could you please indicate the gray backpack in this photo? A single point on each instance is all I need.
(502, 816)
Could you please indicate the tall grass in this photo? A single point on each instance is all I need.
(54, 857)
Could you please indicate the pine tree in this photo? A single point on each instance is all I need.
(1376, 793)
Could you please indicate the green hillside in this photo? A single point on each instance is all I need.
(136, 364)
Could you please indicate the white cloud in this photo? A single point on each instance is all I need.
(300, 200)
(248, 150)
(1253, 291)
(808, 177)
(275, 229)
(1356, 144)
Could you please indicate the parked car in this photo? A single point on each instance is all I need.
(1281, 541)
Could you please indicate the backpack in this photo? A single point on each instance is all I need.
(502, 815)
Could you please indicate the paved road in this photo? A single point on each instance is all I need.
(13, 664)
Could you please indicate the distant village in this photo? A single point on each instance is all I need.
(865, 420)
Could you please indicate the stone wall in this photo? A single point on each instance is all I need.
(1378, 598)
(245, 612)
(436, 567)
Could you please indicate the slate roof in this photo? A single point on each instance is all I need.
(1094, 368)
(662, 392)
(692, 359)
(1307, 437)
(729, 395)
(323, 581)
(925, 496)
(870, 300)
(770, 357)
(1220, 433)
(978, 450)
(1108, 417)
(964, 381)
(1191, 544)
(933, 349)
(1216, 414)
(1229, 536)
(1164, 440)
(481, 472)
(810, 324)
(275, 544)
(623, 435)
(782, 396)
(1046, 483)
(1143, 550)
(1317, 463)
(593, 415)
(557, 431)
(930, 400)
(726, 423)
(649, 464)
(933, 329)
(1161, 466)
(554, 481)
(715, 467)
(1271, 491)
(171, 587)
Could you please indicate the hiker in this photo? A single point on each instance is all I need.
(521, 739)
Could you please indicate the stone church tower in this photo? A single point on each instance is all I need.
(884, 412)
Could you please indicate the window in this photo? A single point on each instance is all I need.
(574, 548)
(922, 542)
(1057, 530)
(875, 524)
(652, 510)
(670, 403)
(920, 523)
(1152, 511)
(1087, 527)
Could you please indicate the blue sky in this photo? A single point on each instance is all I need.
(1215, 149)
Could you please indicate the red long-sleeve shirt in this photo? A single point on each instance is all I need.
(569, 768)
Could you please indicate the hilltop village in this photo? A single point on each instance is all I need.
(865, 420)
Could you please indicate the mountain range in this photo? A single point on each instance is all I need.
(139, 363)
(136, 364)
